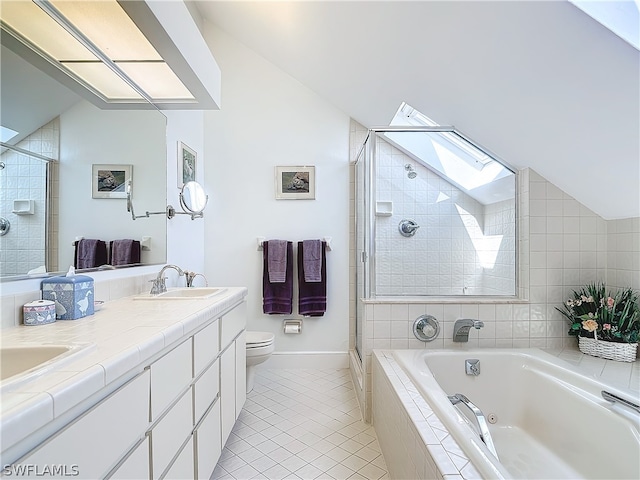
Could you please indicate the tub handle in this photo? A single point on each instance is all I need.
(485, 436)
(610, 397)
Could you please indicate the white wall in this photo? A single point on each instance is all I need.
(185, 237)
(268, 119)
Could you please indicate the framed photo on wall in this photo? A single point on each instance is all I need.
(186, 164)
(295, 183)
(110, 181)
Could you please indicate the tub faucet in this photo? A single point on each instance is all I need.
(159, 285)
(462, 326)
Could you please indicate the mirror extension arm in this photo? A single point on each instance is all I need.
(170, 212)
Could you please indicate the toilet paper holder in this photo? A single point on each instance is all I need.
(292, 326)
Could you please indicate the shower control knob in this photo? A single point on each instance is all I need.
(407, 228)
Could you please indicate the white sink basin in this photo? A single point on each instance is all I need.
(184, 294)
(22, 363)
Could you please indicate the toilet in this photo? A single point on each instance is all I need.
(259, 348)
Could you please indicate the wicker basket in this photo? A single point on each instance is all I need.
(621, 352)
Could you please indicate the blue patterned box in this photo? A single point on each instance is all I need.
(73, 295)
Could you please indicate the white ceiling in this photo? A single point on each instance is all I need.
(540, 84)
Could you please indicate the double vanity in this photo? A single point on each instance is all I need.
(144, 388)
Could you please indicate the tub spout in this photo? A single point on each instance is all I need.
(462, 326)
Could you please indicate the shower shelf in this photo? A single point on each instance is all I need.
(384, 209)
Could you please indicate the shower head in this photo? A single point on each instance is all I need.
(409, 168)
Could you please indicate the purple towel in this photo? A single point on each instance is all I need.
(277, 298)
(90, 253)
(312, 296)
(277, 260)
(125, 252)
(312, 260)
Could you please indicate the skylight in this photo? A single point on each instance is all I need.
(447, 153)
(7, 134)
(622, 17)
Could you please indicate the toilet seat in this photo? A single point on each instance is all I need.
(259, 339)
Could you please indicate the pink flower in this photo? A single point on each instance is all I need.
(606, 326)
(610, 302)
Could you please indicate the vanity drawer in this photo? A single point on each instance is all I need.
(205, 390)
(232, 323)
(208, 443)
(170, 375)
(136, 466)
(97, 440)
(170, 433)
(206, 346)
(183, 468)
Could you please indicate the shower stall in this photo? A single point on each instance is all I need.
(435, 216)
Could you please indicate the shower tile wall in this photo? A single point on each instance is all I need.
(440, 259)
(24, 178)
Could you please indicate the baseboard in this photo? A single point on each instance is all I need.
(319, 360)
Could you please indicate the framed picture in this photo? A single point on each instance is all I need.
(295, 183)
(110, 181)
(186, 164)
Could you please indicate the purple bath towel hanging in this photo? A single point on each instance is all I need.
(312, 296)
(90, 253)
(277, 298)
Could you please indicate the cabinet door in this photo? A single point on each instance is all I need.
(170, 433)
(183, 467)
(241, 372)
(208, 443)
(136, 466)
(99, 439)
(205, 390)
(206, 345)
(169, 375)
(228, 390)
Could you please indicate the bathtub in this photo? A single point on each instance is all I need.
(546, 419)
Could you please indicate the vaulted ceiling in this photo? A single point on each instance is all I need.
(538, 83)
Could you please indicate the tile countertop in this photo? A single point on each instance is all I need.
(124, 335)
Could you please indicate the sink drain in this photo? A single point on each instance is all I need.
(492, 418)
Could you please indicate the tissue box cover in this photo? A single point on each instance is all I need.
(39, 312)
(73, 295)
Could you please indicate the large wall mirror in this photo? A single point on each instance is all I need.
(47, 184)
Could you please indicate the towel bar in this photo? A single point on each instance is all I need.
(327, 240)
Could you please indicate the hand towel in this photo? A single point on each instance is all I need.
(312, 296)
(125, 252)
(277, 258)
(312, 260)
(90, 253)
(277, 297)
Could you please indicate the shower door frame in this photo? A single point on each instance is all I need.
(371, 151)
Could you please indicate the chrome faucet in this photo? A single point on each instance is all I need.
(191, 276)
(159, 285)
(462, 326)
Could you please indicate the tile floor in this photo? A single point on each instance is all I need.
(302, 424)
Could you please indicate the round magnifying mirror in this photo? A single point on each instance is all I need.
(193, 199)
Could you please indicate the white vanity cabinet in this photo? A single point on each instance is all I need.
(233, 369)
(170, 420)
(94, 443)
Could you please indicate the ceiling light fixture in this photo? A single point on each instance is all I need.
(99, 46)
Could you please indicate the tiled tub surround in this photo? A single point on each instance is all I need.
(432, 442)
(125, 335)
(562, 246)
